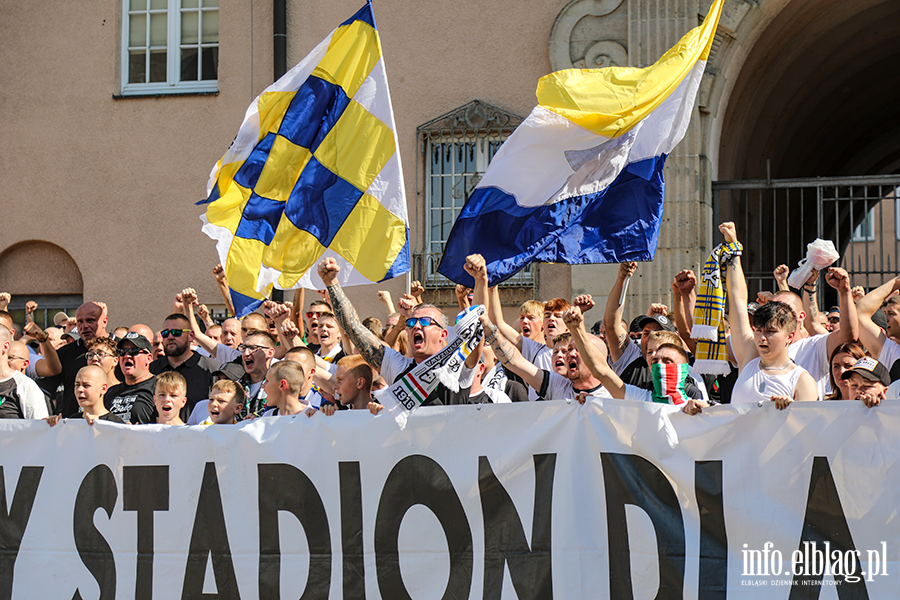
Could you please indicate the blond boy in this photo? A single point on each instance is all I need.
(353, 382)
(170, 396)
(226, 399)
(283, 384)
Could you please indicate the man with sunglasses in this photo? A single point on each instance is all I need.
(196, 369)
(132, 400)
(316, 309)
(426, 329)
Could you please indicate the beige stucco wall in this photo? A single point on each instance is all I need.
(113, 181)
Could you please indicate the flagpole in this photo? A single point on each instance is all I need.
(624, 291)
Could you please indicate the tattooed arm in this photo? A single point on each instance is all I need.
(369, 346)
(509, 356)
(809, 293)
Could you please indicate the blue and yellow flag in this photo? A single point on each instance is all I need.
(314, 171)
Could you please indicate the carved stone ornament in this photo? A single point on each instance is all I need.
(579, 39)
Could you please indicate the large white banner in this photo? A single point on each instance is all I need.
(531, 501)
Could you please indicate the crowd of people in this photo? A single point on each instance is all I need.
(292, 358)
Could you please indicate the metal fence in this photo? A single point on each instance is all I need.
(776, 219)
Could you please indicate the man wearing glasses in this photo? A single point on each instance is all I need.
(132, 400)
(256, 354)
(20, 397)
(196, 369)
(426, 329)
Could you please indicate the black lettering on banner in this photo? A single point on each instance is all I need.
(354, 568)
(634, 480)
(420, 480)
(14, 521)
(145, 489)
(285, 487)
(504, 537)
(713, 580)
(209, 537)
(98, 490)
(825, 522)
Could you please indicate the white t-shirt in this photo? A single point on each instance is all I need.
(631, 353)
(226, 354)
(812, 354)
(31, 398)
(890, 353)
(395, 363)
(632, 392)
(893, 390)
(557, 387)
(540, 356)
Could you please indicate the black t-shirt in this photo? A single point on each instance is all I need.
(197, 372)
(639, 374)
(71, 357)
(516, 391)
(132, 403)
(111, 418)
(10, 403)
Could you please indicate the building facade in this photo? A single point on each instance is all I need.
(115, 111)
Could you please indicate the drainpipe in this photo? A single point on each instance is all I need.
(279, 62)
(280, 38)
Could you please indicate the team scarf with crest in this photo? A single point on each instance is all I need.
(444, 367)
(709, 323)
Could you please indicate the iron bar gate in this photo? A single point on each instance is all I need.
(776, 219)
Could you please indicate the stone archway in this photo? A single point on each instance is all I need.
(44, 272)
(807, 89)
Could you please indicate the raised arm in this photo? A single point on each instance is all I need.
(219, 273)
(839, 279)
(370, 347)
(509, 356)
(616, 333)
(685, 297)
(741, 333)
(189, 299)
(810, 296)
(297, 310)
(870, 334)
(384, 297)
(477, 268)
(49, 365)
(781, 273)
(591, 355)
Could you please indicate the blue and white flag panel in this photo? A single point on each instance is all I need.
(314, 172)
(581, 179)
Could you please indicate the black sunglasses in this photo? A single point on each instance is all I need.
(172, 332)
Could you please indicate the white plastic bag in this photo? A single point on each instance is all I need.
(819, 255)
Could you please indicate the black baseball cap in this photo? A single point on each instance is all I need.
(870, 369)
(662, 320)
(137, 339)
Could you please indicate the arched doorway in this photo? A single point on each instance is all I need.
(814, 96)
(43, 272)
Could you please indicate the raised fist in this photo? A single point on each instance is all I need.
(328, 270)
(781, 273)
(584, 302)
(685, 281)
(188, 297)
(627, 269)
(476, 266)
(838, 278)
(729, 231)
(573, 317)
(658, 309)
(219, 273)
